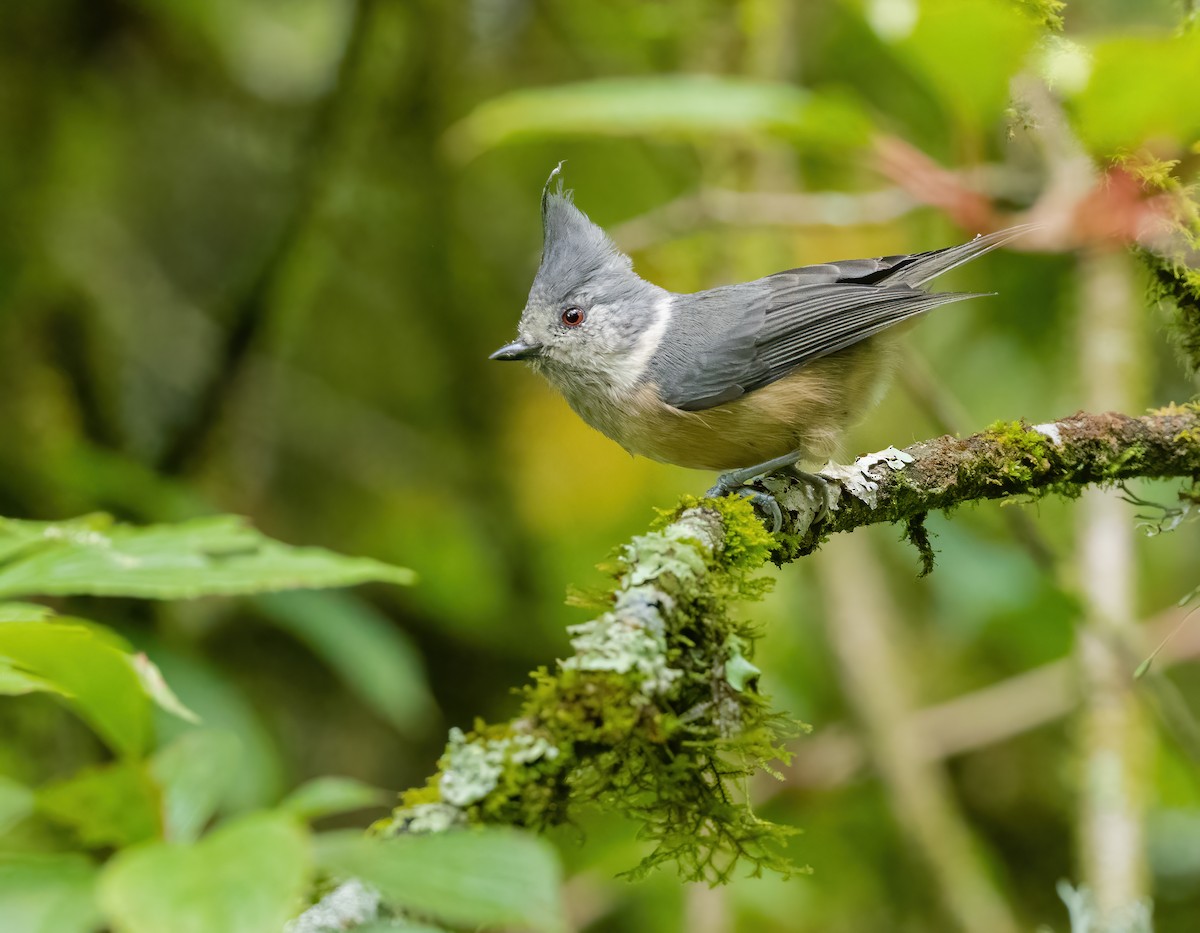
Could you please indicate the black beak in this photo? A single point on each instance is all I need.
(517, 350)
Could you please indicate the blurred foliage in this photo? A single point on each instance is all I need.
(244, 269)
(250, 874)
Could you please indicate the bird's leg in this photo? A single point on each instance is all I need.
(728, 482)
(735, 482)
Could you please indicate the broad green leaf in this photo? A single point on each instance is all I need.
(108, 805)
(15, 682)
(372, 656)
(666, 106)
(246, 877)
(469, 878)
(969, 50)
(216, 556)
(98, 680)
(1141, 88)
(16, 803)
(194, 772)
(47, 894)
(24, 612)
(326, 796)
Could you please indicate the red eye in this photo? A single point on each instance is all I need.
(573, 317)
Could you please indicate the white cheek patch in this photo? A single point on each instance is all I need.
(626, 369)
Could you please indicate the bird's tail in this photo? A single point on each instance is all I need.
(921, 268)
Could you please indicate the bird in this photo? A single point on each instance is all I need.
(746, 379)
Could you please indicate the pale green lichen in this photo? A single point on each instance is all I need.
(347, 906)
(856, 478)
(433, 817)
(472, 767)
(624, 642)
(739, 672)
(655, 715)
(631, 639)
(680, 550)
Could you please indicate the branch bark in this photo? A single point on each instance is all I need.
(657, 714)
(1007, 460)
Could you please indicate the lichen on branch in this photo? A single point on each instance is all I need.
(657, 714)
(1009, 459)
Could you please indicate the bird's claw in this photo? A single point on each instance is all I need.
(766, 504)
(763, 502)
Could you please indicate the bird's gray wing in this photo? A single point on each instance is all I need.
(732, 340)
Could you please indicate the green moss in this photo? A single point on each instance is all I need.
(1020, 450)
(1174, 279)
(747, 544)
(1048, 13)
(592, 708)
(656, 715)
(1191, 409)
(427, 793)
(917, 535)
(1175, 284)
(1129, 458)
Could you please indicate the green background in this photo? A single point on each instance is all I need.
(254, 254)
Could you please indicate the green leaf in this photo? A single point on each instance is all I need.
(1141, 88)
(667, 106)
(468, 878)
(371, 655)
(107, 805)
(16, 803)
(15, 682)
(194, 772)
(47, 894)
(213, 556)
(97, 679)
(739, 670)
(246, 877)
(24, 612)
(326, 796)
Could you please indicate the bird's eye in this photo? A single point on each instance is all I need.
(573, 316)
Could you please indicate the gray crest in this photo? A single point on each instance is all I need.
(575, 251)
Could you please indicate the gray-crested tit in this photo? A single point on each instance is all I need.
(746, 378)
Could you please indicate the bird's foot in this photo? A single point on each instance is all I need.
(765, 504)
(736, 482)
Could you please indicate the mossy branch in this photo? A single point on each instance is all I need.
(1010, 459)
(657, 714)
